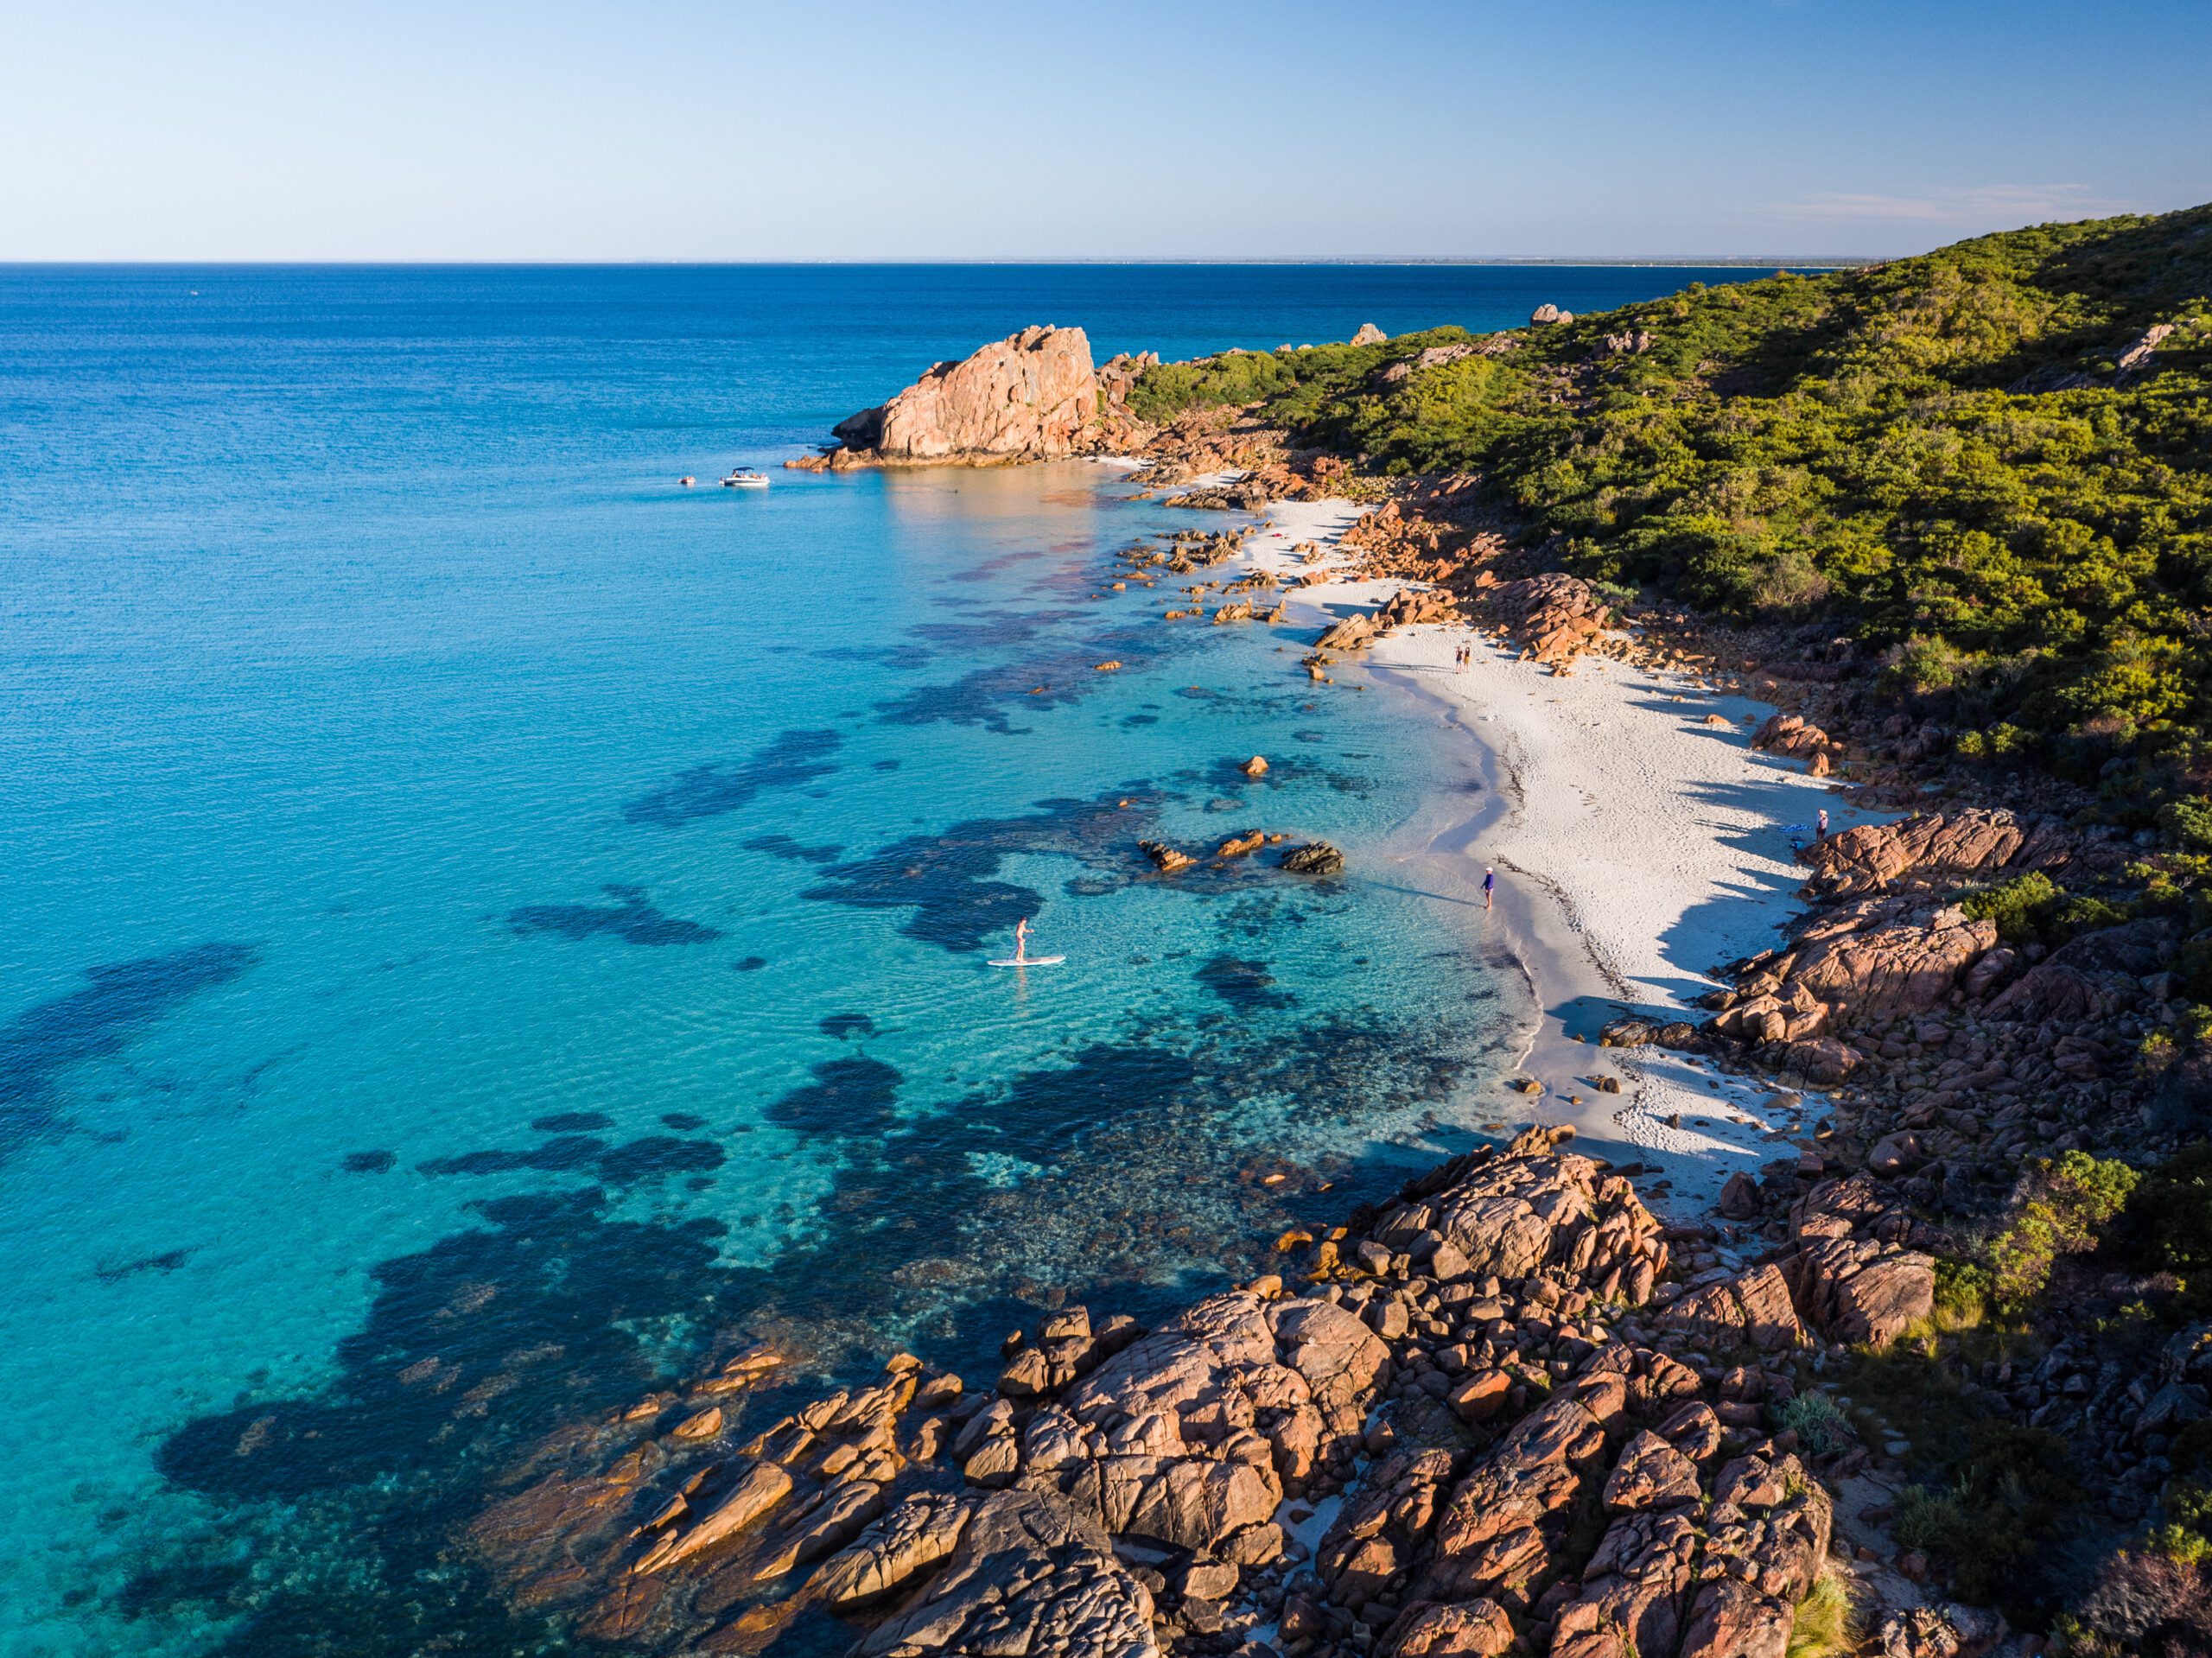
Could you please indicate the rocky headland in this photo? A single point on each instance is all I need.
(1033, 396)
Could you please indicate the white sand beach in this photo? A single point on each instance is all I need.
(1637, 849)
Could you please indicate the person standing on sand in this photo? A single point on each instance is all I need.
(1490, 885)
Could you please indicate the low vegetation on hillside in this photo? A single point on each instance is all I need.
(1964, 461)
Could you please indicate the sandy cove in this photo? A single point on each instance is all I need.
(1638, 848)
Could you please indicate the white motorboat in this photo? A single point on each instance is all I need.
(746, 477)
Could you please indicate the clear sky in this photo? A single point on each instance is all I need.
(585, 129)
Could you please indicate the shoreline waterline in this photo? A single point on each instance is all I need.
(1704, 846)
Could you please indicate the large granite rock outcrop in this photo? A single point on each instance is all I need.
(1022, 1575)
(1865, 961)
(1556, 616)
(1851, 1279)
(1033, 396)
(1959, 845)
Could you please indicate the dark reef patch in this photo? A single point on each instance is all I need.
(946, 879)
(117, 1001)
(683, 1122)
(539, 1298)
(782, 845)
(749, 964)
(847, 1096)
(563, 1154)
(902, 658)
(649, 1158)
(653, 1157)
(369, 1162)
(572, 1122)
(843, 1026)
(984, 696)
(1246, 986)
(483, 1342)
(168, 1262)
(632, 918)
(791, 758)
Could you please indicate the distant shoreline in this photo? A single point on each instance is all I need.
(1670, 262)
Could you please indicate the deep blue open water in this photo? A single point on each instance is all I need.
(481, 923)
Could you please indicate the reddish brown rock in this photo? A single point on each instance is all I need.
(1789, 736)
(753, 1497)
(1555, 615)
(1476, 1629)
(1740, 1197)
(1166, 859)
(1032, 396)
(1535, 1207)
(1824, 1059)
(1353, 634)
(1632, 1590)
(1858, 1290)
(1732, 1620)
(1862, 963)
(1497, 1536)
(1651, 1474)
(1873, 856)
(1076, 1600)
(1752, 1310)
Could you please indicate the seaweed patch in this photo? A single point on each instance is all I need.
(793, 758)
(117, 1001)
(632, 918)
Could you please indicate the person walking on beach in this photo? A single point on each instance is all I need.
(1490, 886)
(1460, 657)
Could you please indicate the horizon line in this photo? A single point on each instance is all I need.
(1716, 261)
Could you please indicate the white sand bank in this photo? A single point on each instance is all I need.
(1637, 849)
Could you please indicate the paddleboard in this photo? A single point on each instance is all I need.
(1030, 961)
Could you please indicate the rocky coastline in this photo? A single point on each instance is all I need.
(1513, 1410)
(1510, 1411)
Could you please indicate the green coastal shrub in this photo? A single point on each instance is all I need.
(2080, 915)
(2188, 822)
(2019, 906)
(2170, 1217)
(1936, 456)
(2069, 1201)
(1932, 1521)
(2185, 1535)
(1963, 1289)
(2002, 744)
(1925, 666)
(1995, 1523)
(1821, 1427)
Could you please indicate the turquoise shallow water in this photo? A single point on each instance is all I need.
(483, 922)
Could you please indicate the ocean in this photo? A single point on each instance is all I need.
(483, 924)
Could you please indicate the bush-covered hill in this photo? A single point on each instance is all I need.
(1951, 457)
